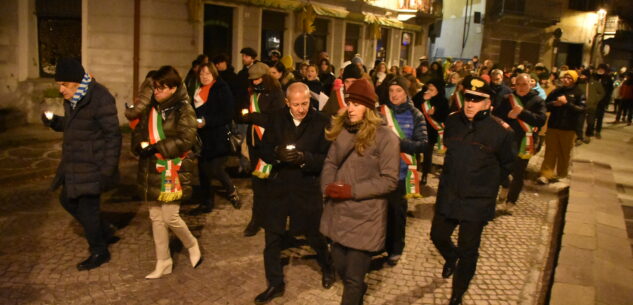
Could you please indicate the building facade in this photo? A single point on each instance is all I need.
(119, 41)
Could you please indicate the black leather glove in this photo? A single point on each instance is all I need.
(246, 118)
(296, 157)
(147, 151)
(46, 121)
(283, 154)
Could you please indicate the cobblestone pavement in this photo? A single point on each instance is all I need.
(40, 245)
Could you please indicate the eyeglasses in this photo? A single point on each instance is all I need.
(160, 88)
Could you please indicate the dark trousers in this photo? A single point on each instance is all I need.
(213, 169)
(351, 265)
(518, 174)
(602, 108)
(427, 159)
(259, 200)
(625, 111)
(396, 220)
(465, 253)
(88, 213)
(592, 119)
(272, 254)
(580, 125)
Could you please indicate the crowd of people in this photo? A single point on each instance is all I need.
(333, 155)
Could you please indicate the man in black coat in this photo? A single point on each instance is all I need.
(498, 87)
(90, 153)
(480, 153)
(295, 144)
(524, 110)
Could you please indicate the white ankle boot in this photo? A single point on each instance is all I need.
(194, 255)
(162, 267)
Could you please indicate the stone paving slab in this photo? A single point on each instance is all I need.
(41, 244)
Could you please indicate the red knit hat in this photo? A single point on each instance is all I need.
(362, 92)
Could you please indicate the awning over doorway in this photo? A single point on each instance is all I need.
(280, 4)
(329, 10)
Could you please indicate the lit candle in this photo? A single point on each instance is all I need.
(144, 144)
(49, 115)
(290, 146)
(244, 111)
(200, 120)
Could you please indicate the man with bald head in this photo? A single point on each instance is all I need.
(295, 145)
(524, 110)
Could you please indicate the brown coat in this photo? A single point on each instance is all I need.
(360, 223)
(179, 125)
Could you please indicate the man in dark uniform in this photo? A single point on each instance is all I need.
(480, 154)
(295, 145)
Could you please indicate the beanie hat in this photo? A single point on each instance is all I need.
(357, 60)
(69, 70)
(351, 71)
(402, 82)
(249, 51)
(287, 61)
(572, 73)
(257, 70)
(361, 91)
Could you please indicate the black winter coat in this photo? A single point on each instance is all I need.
(479, 155)
(269, 102)
(91, 145)
(217, 113)
(295, 191)
(500, 91)
(565, 117)
(441, 112)
(534, 113)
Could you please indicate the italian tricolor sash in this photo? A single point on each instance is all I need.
(412, 180)
(426, 107)
(170, 187)
(458, 99)
(340, 96)
(262, 169)
(526, 149)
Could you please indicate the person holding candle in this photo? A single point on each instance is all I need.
(265, 98)
(164, 139)
(90, 154)
(295, 145)
(213, 103)
(360, 169)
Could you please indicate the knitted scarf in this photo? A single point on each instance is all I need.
(170, 187)
(202, 94)
(81, 90)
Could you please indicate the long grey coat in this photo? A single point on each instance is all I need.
(360, 223)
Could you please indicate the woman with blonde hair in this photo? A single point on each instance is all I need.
(361, 168)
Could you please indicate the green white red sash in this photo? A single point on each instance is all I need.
(458, 99)
(412, 179)
(170, 187)
(426, 107)
(340, 96)
(526, 149)
(262, 169)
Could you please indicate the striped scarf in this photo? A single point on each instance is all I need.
(170, 187)
(262, 169)
(426, 107)
(527, 148)
(81, 90)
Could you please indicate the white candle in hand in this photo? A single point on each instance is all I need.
(144, 144)
(244, 111)
(49, 115)
(290, 146)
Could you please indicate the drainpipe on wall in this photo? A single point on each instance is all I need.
(137, 34)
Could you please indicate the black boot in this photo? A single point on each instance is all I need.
(234, 198)
(328, 277)
(94, 261)
(423, 180)
(449, 268)
(270, 293)
(203, 208)
(251, 229)
(456, 299)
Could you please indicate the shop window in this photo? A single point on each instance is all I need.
(218, 30)
(405, 48)
(58, 32)
(352, 37)
(381, 44)
(273, 27)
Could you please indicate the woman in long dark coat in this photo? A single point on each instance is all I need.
(213, 103)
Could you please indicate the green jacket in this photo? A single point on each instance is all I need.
(179, 126)
(594, 92)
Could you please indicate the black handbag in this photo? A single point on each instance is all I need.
(235, 139)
